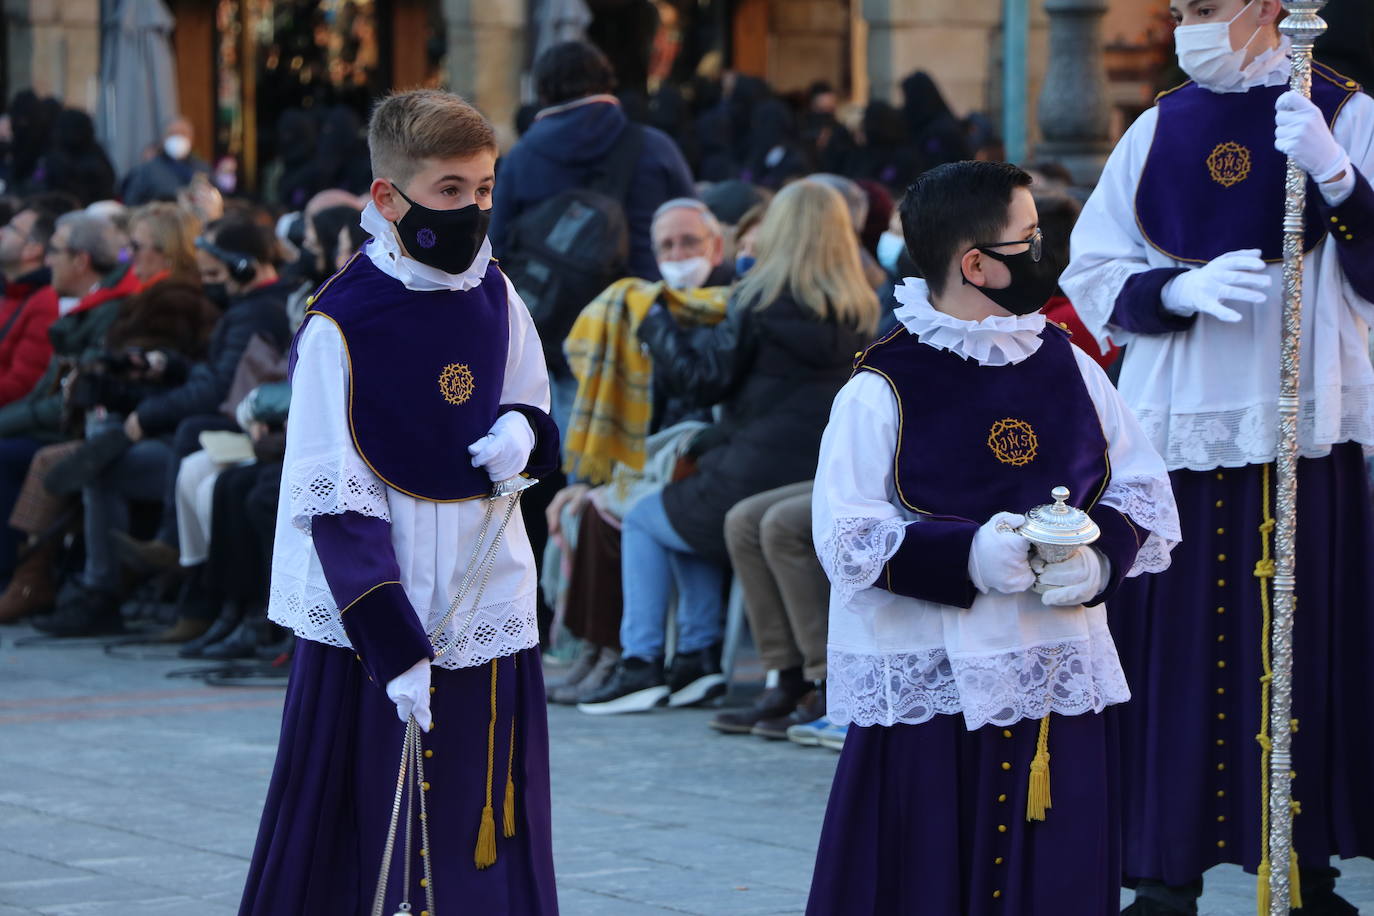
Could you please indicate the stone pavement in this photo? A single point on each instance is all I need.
(125, 793)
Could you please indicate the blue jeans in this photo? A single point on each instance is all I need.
(653, 559)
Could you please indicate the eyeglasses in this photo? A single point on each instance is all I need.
(682, 243)
(1037, 246)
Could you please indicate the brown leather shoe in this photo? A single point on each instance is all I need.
(184, 630)
(145, 556)
(33, 588)
(773, 703)
(810, 708)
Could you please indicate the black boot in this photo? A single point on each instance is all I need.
(1319, 897)
(224, 624)
(251, 633)
(773, 703)
(1155, 898)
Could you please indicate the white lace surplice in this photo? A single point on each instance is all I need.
(896, 659)
(1208, 397)
(323, 475)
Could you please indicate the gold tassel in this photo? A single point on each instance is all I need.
(508, 809)
(1294, 884)
(485, 854)
(1262, 888)
(1038, 792)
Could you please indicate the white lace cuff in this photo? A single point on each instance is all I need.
(855, 551)
(332, 486)
(1149, 501)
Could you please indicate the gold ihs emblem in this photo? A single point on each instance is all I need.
(1229, 164)
(456, 383)
(1013, 442)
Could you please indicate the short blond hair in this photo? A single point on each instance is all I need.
(407, 128)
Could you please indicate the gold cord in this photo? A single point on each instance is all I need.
(485, 855)
(1038, 792)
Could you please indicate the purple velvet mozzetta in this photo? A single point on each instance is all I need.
(446, 350)
(1213, 182)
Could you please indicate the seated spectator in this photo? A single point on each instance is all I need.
(746, 238)
(75, 163)
(856, 200)
(772, 366)
(29, 304)
(1058, 214)
(83, 260)
(730, 201)
(170, 170)
(165, 426)
(787, 600)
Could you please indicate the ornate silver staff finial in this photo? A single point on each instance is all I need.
(1303, 26)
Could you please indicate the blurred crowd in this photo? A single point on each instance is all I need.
(703, 266)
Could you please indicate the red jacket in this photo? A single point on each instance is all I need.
(25, 348)
(1060, 310)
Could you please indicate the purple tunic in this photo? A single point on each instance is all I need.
(931, 819)
(1189, 640)
(329, 803)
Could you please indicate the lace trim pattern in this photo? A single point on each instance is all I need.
(993, 341)
(1067, 677)
(855, 551)
(496, 630)
(1149, 501)
(328, 486)
(1095, 300)
(1249, 435)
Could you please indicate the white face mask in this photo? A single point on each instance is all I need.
(890, 248)
(1205, 54)
(688, 274)
(177, 146)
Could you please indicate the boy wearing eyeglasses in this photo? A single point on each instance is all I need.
(1178, 255)
(961, 662)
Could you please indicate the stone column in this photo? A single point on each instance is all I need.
(1074, 113)
(53, 48)
(487, 48)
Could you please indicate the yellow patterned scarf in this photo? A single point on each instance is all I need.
(611, 415)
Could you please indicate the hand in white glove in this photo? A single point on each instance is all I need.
(1072, 581)
(999, 560)
(1237, 276)
(1300, 131)
(410, 692)
(505, 450)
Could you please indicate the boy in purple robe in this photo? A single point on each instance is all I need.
(417, 384)
(1178, 255)
(960, 681)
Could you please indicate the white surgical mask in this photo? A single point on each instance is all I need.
(688, 274)
(890, 248)
(1206, 55)
(177, 146)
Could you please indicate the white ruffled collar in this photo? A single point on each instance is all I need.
(996, 341)
(385, 252)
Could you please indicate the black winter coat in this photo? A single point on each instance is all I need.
(774, 371)
(261, 311)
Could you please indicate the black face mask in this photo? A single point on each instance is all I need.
(1032, 282)
(217, 293)
(446, 240)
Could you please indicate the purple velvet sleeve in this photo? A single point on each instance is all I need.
(360, 566)
(1351, 224)
(932, 563)
(1139, 307)
(547, 455)
(1119, 542)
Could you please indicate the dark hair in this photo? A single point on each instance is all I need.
(239, 234)
(46, 207)
(327, 223)
(572, 70)
(1058, 213)
(954, 206)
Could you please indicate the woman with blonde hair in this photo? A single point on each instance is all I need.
(772, 366)
(162, 241)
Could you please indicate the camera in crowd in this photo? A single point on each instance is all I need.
(119, 380)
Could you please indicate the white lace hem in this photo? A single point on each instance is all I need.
(1249, 435)
(855, 551)
(496, 631)
(330, 486)
(1149, 501)
(995, 341)
(1069, 677)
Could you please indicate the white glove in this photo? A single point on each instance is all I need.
(1237, 276)
(999, 560)
(410, 692)
(505, 450)
(1300, 131)
(1073, 581)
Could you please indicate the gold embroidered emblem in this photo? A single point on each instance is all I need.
(1013, 442)
(1229, 164)
(456, 383)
